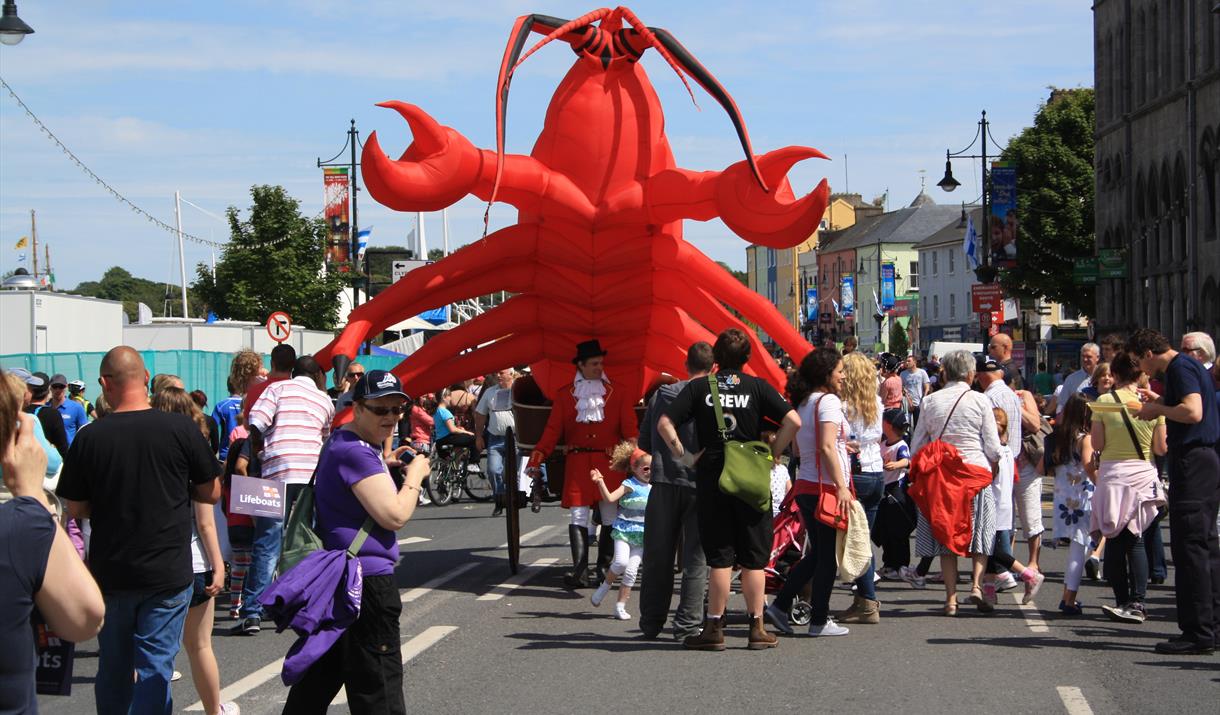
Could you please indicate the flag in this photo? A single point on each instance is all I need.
(362, 240)
(877, 304)
(971, 244)
(21, 258)
(835, 304)
(22, 243)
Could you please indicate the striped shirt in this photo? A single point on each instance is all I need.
(294, 417)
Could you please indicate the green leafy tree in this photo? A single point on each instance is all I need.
(899, 344)
(274, 262)
(739, 275)
(162, 298)
(1055, 181)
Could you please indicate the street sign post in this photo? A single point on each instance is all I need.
(279, 326)
(986, 297)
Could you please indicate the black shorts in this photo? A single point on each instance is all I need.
(199, 594)
(733, 532)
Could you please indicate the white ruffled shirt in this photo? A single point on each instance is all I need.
(590, 398)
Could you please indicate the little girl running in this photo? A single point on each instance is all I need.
(628, 529)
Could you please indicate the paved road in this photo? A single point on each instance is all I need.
(477, 640)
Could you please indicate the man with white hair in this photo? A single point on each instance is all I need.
(1090, 355)
(1201, 347)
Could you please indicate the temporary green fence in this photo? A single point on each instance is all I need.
(199, 370)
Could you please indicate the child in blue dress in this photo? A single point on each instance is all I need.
(628, 529)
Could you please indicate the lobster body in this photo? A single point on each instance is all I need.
(597, 250)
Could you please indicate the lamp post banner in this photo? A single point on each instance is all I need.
(811, 302)
(335, 199)
(1003, 226)
(847, 295)
(887, 286)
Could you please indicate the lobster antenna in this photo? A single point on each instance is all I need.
(654, 43)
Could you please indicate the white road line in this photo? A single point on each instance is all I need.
(531, 535)
(1073, 700)
(413, 540)
(411, 648)
(419, 592)
(246, 684)
(1033, 617)
(502, 590)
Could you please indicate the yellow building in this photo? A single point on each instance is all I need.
(775, 273)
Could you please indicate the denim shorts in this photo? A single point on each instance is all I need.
(199, 594)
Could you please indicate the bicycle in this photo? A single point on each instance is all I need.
(454, 473)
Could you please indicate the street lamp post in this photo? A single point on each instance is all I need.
(353, 141)
(986, 273)
(12, 28)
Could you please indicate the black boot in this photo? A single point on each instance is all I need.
(499, 505)
(578, 538)
(605, 551)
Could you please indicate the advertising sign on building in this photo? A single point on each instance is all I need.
(1002, 228)
(1111, 263)
(887, 286)
(1084, 271)
(847, 295)
(335, 209)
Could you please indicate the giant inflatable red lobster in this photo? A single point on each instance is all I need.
(597, 251)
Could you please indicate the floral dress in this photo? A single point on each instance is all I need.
(1073, 502)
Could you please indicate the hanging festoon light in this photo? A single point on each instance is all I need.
(12, 28)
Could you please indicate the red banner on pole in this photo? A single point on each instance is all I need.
(335, 187)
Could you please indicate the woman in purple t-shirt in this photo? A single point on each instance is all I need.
(353, 484)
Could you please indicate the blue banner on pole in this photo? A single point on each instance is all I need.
(811, 302)
(1002, 229)
(887, 286)
(847, 295)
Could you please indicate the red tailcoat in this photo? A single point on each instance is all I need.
(618, 424)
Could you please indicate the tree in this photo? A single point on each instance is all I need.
(899, 344)
(1055, 181)
(274, 261)
(739, 275)
(162, 298)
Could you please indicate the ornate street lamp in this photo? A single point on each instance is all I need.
(12, 28)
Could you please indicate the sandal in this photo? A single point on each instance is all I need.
(950, 609)
(976, 597)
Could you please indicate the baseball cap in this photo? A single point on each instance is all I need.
(59, 379)
(27, 377)
(986, 363)
(377, 383)
(895, 418)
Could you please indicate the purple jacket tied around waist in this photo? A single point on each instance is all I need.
(319, 598)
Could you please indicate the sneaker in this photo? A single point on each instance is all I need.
(1033, 581)
(889, 573)
(1115, 613)
(424, 500)
(989, 593)
(620, 612)
(1092, 568)
(1130, 613)
(1075, 609)
(599, 594)
(911, 576)
(229, 709)
(876, 577)
(1004, 581)
(175, 676)
(779, 619)
(829, 628)
(249, 626)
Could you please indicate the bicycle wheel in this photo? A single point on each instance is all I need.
(440, 485)
(477, 485)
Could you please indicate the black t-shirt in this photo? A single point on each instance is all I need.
(26, 532)
(136, 470)
(1184, 376)
(749, 405)
(52, 426)
(664, 469)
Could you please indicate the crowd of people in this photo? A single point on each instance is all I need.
(952, 452)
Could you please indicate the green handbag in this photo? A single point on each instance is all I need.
(747, 465)
(300, 539)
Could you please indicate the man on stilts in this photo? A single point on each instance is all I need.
(589, 419)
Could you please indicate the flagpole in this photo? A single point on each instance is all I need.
(181, 249)
(34, 238)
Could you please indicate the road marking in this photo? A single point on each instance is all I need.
(1073, 700)
(502, 590)
(1033, 617)
(529, 536)
(413, 540)
(419, 592)
(246, 684)
(420, 643)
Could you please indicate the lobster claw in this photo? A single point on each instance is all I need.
(439, 167)
(775, 219)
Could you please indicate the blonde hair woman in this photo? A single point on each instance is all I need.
(863, 408)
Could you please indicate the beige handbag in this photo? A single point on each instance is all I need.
(852, 545)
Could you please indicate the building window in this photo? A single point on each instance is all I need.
(770, 258)
(935, 262)
(913, 276)
(952, 261)
(953, 305)
(935, 305)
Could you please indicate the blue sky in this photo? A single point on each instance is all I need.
(211, 98)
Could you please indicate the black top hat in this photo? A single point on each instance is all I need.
(588, 349)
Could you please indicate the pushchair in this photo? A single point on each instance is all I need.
(787, 547)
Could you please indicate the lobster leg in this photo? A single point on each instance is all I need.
(499, 263)
(517, 349)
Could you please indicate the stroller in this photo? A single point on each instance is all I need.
(787, 547)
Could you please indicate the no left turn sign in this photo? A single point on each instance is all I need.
(279, 326)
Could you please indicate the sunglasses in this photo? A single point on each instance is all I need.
(355, 375)
(383, 411)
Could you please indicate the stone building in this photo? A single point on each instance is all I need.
(1157, 66)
